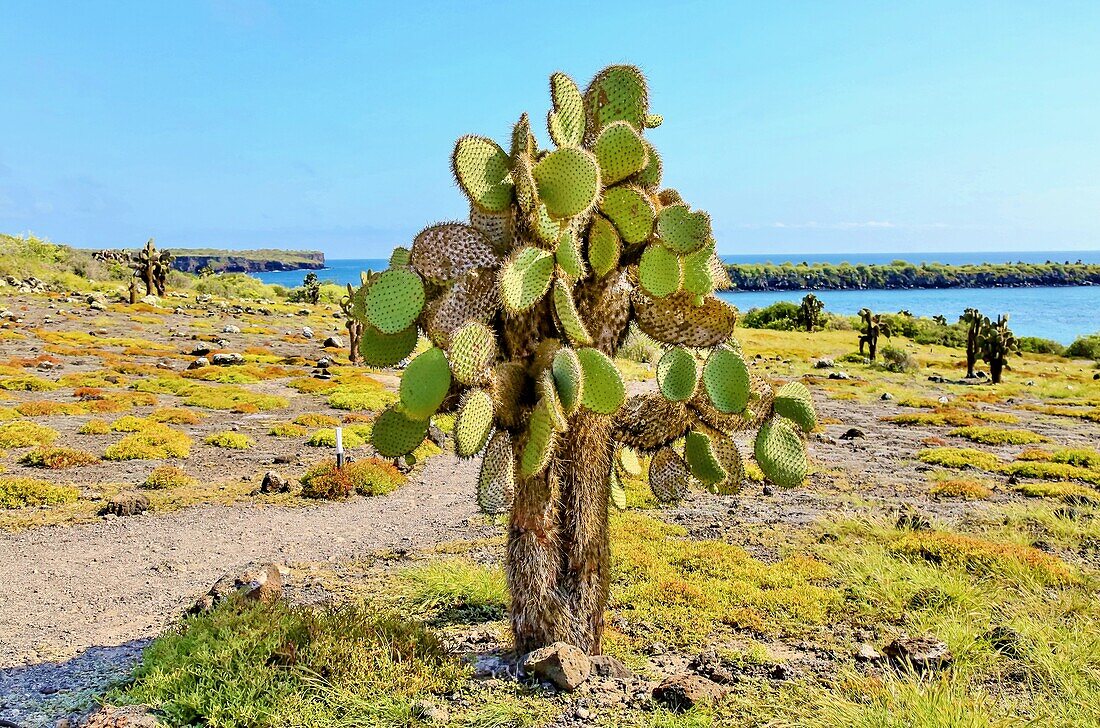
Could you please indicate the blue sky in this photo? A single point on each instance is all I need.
(801, 127)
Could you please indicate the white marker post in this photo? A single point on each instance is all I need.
(339, 448)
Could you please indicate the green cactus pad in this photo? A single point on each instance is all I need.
(399, 258)
(702, 460)
(395, 433)
(394, 301)
(604, 391)
(682, 230)
(568, 378)
(444, 252)
(669, 477)
(652, 121)
(539, 444)
(617, 93)
(698, 273)
(525, 278)
(630, 210)
(659, 271)
(604, 246)
(568, 181)
(473, 349)
(780, 453)
(676, 319)
(568, 317)
(527, 195)
(677, 374)
(650, 177)
(473, 423)
(616, 493)
(629, 462)
(793, 401)
(726, 381)
(730, 458)
(568, 255)
(620, 151)
(386, 350)
(523, 141)
(566, 119)
(481, 168)
(425, 383)
(549, 395)
(548, 231)
(496, 483)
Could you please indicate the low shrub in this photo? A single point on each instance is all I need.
(959, 457)
(130, 423)
(28, 383)
(372, 476)
(1052, 471)
(1068, 492)
(354, 436)
(316, 419)
(287, 429)
(1085, 347)
(779, 316)
(167, 476)
(47, 408)
(897, 360)
(154, 443)
(230, 440)
(58, 458)
(95, 426)
(176, 416)
(998, 436)
(978, 556)
(22, 492)
(22, 433)
(1036, 345)
(964, 488)
(361, 396)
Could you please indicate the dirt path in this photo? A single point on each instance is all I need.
(70, 588)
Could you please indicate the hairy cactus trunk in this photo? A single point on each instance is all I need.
(996, 366)
(558, 548)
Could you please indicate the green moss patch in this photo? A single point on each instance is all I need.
(167, 476)
(997, 436)
(354, 436)
(287, 429)
(959, 457)
(58, 458)
(25, 434)
(157, 442)
(962, 488)
(230, 440)
(23, 492)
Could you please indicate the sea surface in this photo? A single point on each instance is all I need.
(1058, 313)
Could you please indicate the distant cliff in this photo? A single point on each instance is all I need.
(246, 261)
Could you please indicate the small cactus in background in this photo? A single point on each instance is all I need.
(153, 268)
(354, 325)
(973, 319)
(809, 312)
(525, 308)
(873, 325)
(311, 288)
(133, 289)
(995, 343)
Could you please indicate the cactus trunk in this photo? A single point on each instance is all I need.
(558, 545)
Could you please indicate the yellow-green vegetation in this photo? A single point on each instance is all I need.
(372, 476)
(1052, 471)
(1091, 414)
(17, 492)
(95, 426)
(241, 374)
(230, 440)
(155, 442)
(104, 378)
(48, 408)
(963, 488)
(7, 414)
(287, 429)
(167, 476)
(1068, 492)
(27, 383)
(21, 433)
(454, 590)
(58, 458)
(362, 393)
(981, 557)
(959, 457)
(951, 417)
(1033, 463)
(354, 436)
(176, 416)
(316, 419)
(998, 436)
(130, 423)
(212, 396)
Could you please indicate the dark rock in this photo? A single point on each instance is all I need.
(709, 665)
(333, 342)
(283, 459)
(867, 653)
(922, 653)
(852, 433)
(227, 359)
(274, 483)
(306, 331)
(608, 666)
(261, 583)
(128, 716)
(782, 671)
(839, 375)
(886, 397)
(126, 504)
(199, 363)
(402, 465)
(684, 692)
(562, 664)
(824, 364)
(1005, 640)
(437, 435)
(325, 362)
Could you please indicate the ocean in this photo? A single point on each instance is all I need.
(1061, 313)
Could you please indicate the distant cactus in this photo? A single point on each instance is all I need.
(809, 312)
(995, 343)
(153, 268)
(526, 307)
(873, 325)
(973, 319)
(311, 288)
(354, 325)
(133, 289)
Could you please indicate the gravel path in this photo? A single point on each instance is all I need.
(96, 592)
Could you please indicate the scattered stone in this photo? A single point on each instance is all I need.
(437, 436)
(150, 300)
(852, 433)
(222, 343)
(97, 306)
(709, 665)
(922, 654)
(824, 364)
(260, 583)
(768, 490)
(199, 363)
(325, 362)
(782, 671)
(284, 459)
(1029, 383)
(655, 648)
(126, 504)
(562, 664)
(307, 332)
(839, 375)
(886, 397)
(274, 483)
(608, 666)
(426, 711)
(402, 465)
(944, 399)
(686, 691)
(333, 342)
(231, 329)
(128, 716)
(227, 359)
(867, 653)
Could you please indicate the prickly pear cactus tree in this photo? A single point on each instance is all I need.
(353, 325)
(524, 307)
(153, 267)
(809, 312)
(973, 320)
(995, 343)
(873, 325)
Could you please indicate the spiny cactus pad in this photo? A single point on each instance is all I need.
(548, 395)
(568, 181)
(399, 258)
(496, 482)
(669, 477)
(630, 210)
(394, 301)
(539, 443)
(730, 458)
(676, 319)
(473, 349)
(566, 120)
(604, 246)
(425, 384)
(482, 169)
(793, 401)
(659, 271)
(395, 433)
(568, 378)
(616, 492)
(699, 275)
(780, 453)
(702, 459)
(617, 93)
(445, 251)
(568, 256)
(473, 423)
(681, 230)
(604, 391)
(677, 374)
(629, 462)
(386, 350)
(567, 314)
(726, 381)
(620, 151)
(525, 278)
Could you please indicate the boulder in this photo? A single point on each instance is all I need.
(867, 653)
(274, 483)
(562, 664)
(922, 654)
(709, 665)
(231, 329)
(227, 359)
(325, 362)
(333, 342)
(307, 332)
(609, 667)
(839, 375)
(261, 583)
(852, 433)
(199, 363)
(686, 691)
(126, 504)
(824, 364)
(886, 397)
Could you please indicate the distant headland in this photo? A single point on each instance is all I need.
(195, 260)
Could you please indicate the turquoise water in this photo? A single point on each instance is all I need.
(1061, 314)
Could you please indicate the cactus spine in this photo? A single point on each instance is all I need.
(873, 325)
(525, 308)
(996, 343)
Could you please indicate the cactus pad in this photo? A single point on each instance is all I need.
(548, 394)
(677, 374)
(473, 297)
(620, 152)
(604, 246)
(629, 462)
(617, 93)
(473, 349)
(669, 477)
(527, 195)
(425, 384)
(702, 459)
(682, 230)
(659, 271)
(446, 251)
(399, 258)
(566, 120)
(570, 320)
(676, 319)
(547, 230)
(568, 255)
(523, 141)
(473, 423)
(793, 401)
(650, 177)
(481, 168)
(394, 301)
(615, 490)
(496, 483)
(495, 226)
(698, 272)
(568, 181)
(630, 210)
(386, 350)
(568, 378)
(781, 453)
(730, 458)
(539, 443)
(395, 433)
(726, 380)
(604, 391)
(525, 278)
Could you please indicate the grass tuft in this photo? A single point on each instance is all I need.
(167, 476)
(998, 436)
(156, 442)
(982, 557)
(959, 457)
(964, 488)
(58, 458)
